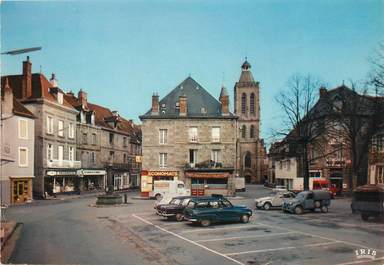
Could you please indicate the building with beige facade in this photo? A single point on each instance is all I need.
(191, 136)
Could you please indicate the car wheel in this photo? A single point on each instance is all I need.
(324, 209)
(267, 206)
(179, 217)
(158, 196)
(299, 210)
(365, 217)
(244, 218)
(317, 204)
(205, 223)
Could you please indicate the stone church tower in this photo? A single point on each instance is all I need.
(247, 108)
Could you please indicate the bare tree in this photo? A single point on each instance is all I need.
(376, 74)
(302, 125)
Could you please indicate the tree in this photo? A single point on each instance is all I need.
(376, 74)
(303, 126)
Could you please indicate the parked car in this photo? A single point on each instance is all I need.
(308, 200)
(174, 209)
(274, 200)
(208, 210)
(368, 200)
(163, 200)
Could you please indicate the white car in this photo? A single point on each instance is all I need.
(163, 200)
(274, 200)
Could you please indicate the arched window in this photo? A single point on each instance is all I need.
(247, 160)
(243, 103)
(243, 131)
(252, 104)
(252, 131)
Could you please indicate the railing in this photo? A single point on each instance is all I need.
(63, 163)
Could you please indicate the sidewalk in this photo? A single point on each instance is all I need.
(8, 238)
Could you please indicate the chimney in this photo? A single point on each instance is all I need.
(224, 100)
(323, 92)
(7, 98)
(183, 105)
(155, 104)
(53, 80)
(82, 96)
(27, 79)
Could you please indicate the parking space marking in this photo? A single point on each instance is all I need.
(224, 228)
(323, 237)
(242, 237)
(188, 240)
(361, 261)
(278, 249)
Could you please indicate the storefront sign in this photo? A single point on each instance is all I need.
(61, 173)
(87, 172)
(163, 173)
(207, 175)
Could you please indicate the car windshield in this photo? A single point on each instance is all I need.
(175, 201)
(185, 202)
(301, 195)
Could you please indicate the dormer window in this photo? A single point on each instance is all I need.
(60, 99)
(93, 119)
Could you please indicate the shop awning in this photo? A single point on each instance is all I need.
(207, 175)
(21, 177)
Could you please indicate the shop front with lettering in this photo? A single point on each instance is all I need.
(62, 181)
(92, 179)
(149, 177)
(207, 182)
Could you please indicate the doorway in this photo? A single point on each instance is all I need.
(21, 190)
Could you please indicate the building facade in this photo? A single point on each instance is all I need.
(17, 149)
(250, 162)
(376, 157)
(109, 146)
(190, 136)
(56, 169)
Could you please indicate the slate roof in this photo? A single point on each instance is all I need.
(200, 103)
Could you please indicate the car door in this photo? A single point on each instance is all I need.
(309, 202)
(277, 200)
(229, 212)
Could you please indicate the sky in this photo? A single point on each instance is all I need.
(121, 52)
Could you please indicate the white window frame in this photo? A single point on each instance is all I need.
(215, 155)
(26, 157)
(163, 157)
(193, 134)
(71, 130)
(49, 125)
(163, 135)
(50, 147)
(20, 122)
(215, 134)
(60, 128)
(58, 148)
(71, 153)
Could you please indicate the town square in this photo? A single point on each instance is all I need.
(192, 132)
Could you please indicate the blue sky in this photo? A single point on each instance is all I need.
(121, 52)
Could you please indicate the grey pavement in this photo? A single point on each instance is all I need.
(74, 232)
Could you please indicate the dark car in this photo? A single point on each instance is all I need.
(208, 210)
(368, 201)
(174, 209)
(308, 200)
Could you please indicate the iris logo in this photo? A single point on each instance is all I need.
(365, 253)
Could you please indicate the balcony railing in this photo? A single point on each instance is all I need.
(63, 163)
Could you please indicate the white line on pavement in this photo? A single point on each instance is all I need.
(323, 237)
(243, 237)
(223, 228)
(361, 261)
(188, 240)
(277, 249)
